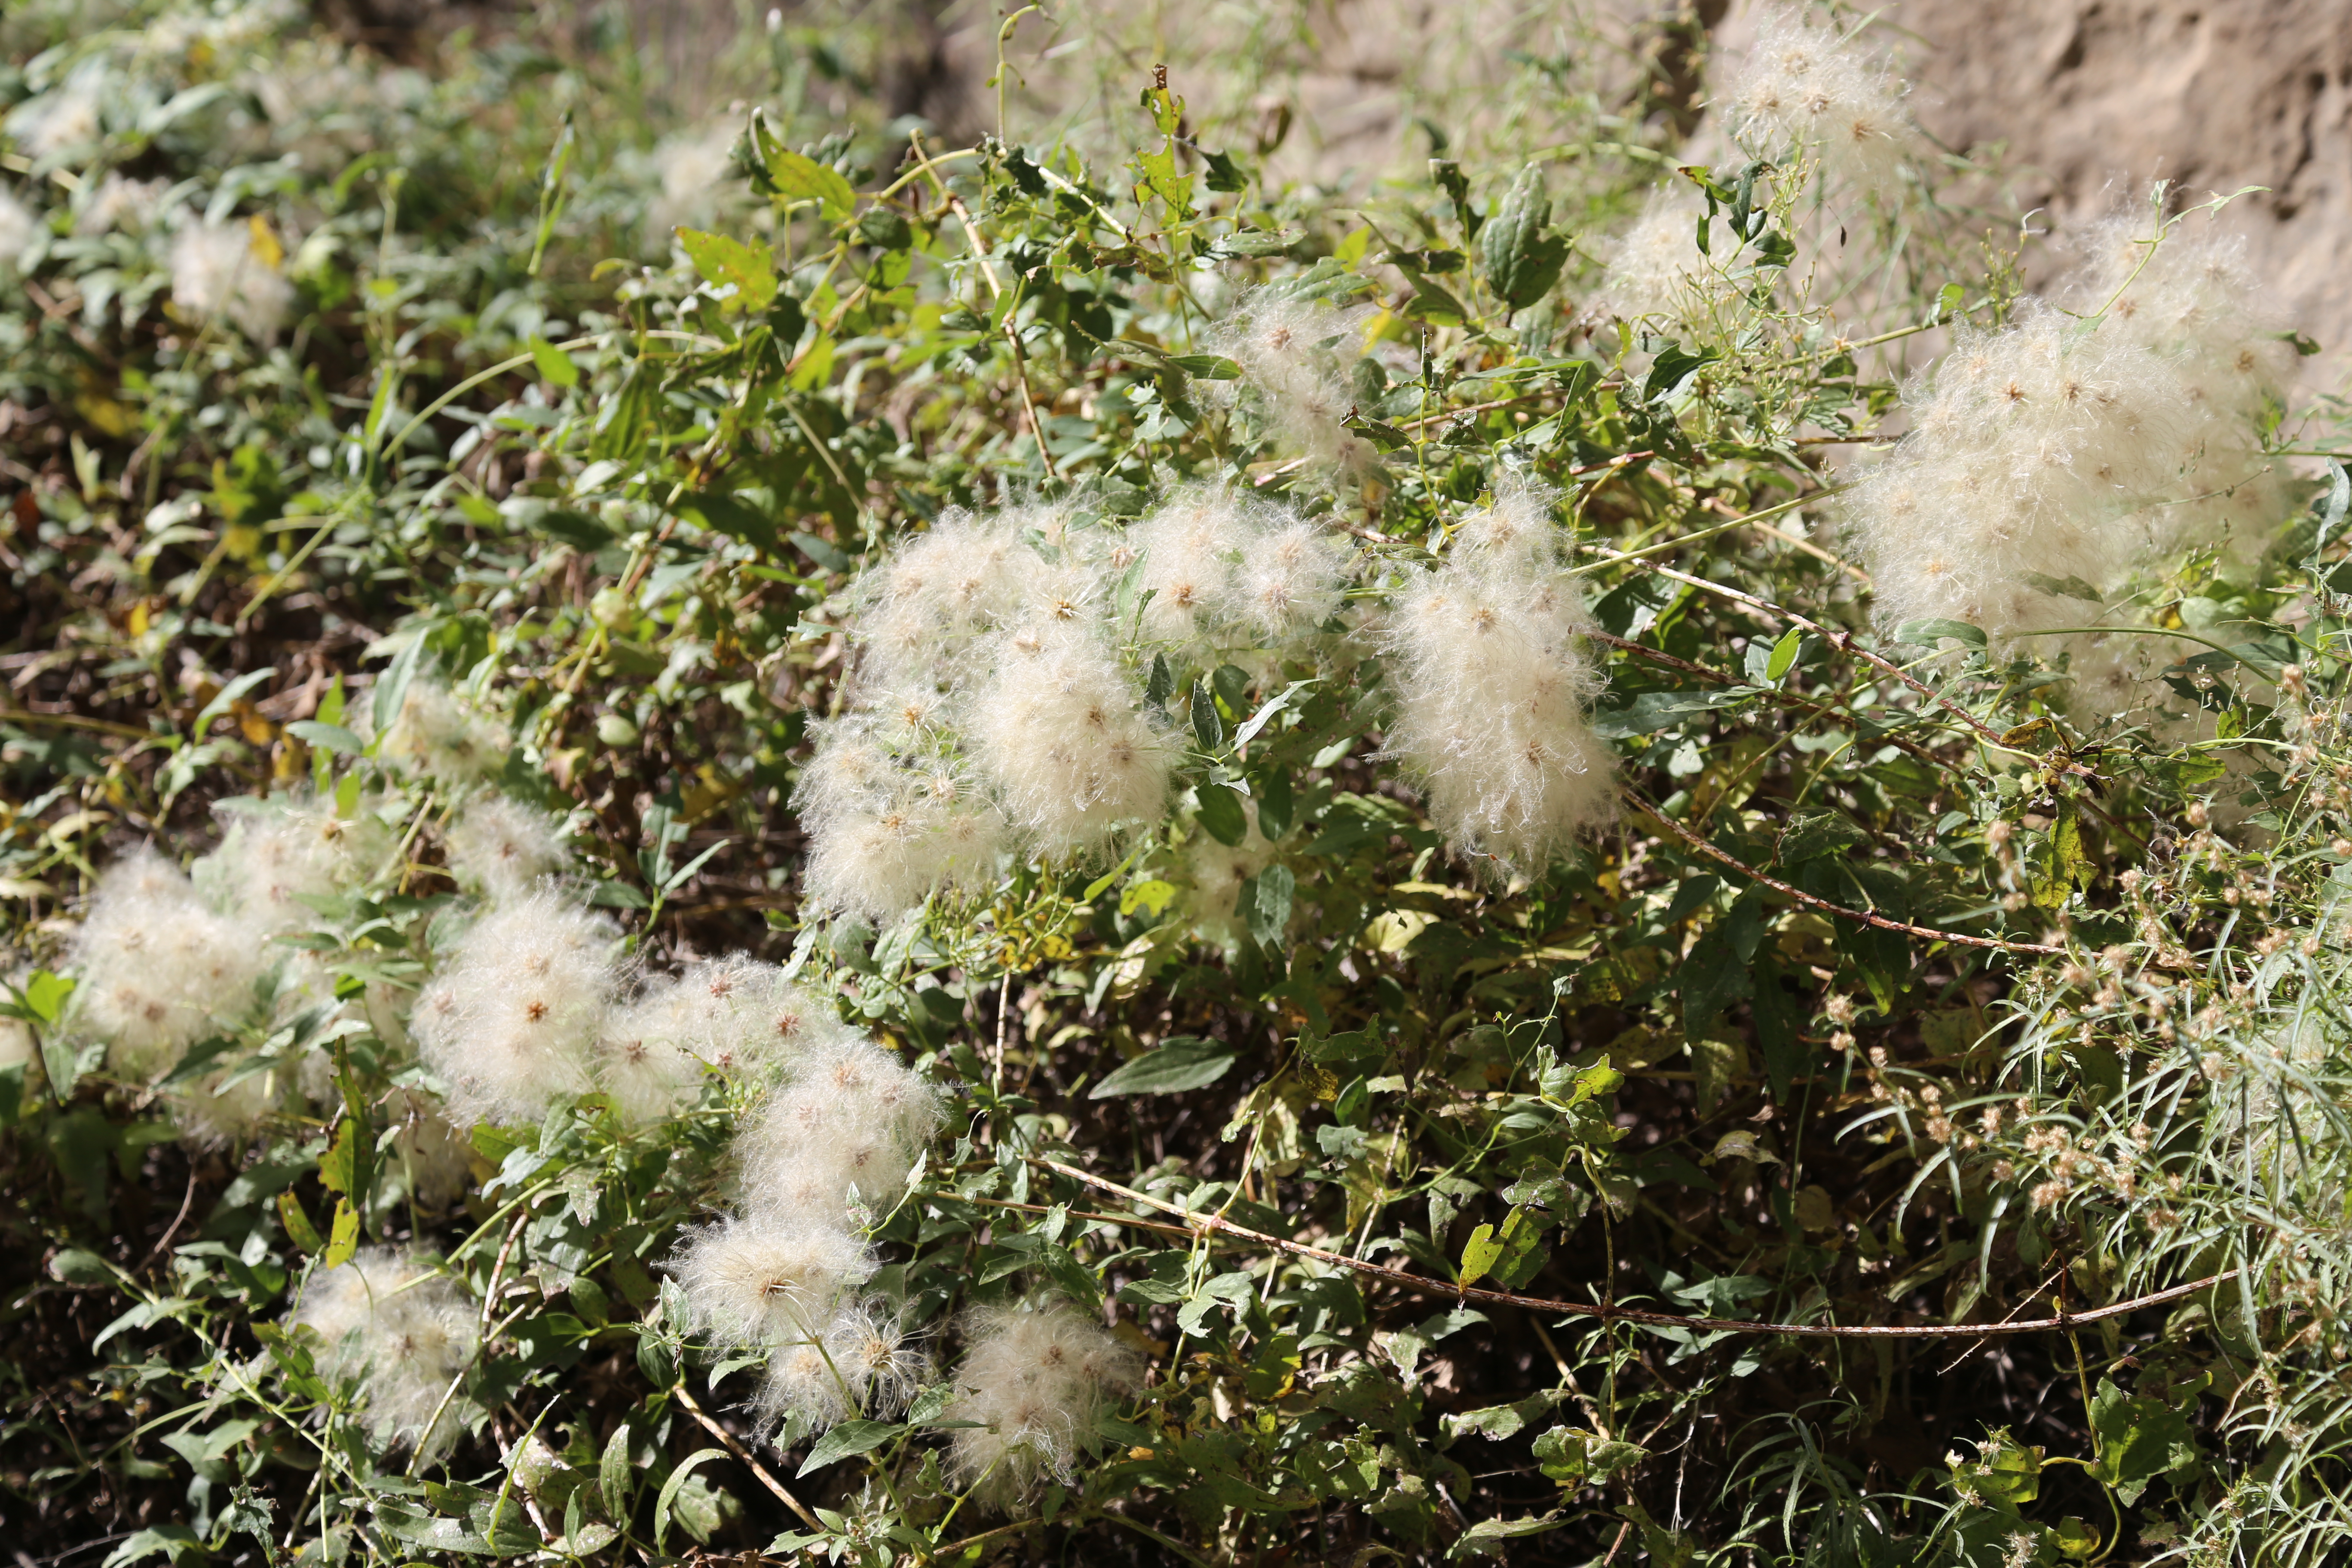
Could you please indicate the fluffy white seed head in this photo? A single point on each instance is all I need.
(510, 1022)
(217, 273)
(731, 1015)
(501, 847)
(440, 735)
(2193, 301)
(1804, 86)
(1492, 697)
(884, 840)
(1289, 580)
(1038, 1378)
(1298, 354)
(848, 1126)
(2036, 450)
(66, 118)
(278, 860)
(763, 1281)
(434, 1157)
(864, 1362)
(1657, 270)
(940, 593)
(19, 224)
(1217, 872)
(1059, 734)
(120, 204)
(402, 1332)
(1189, 548)
(159, 968)
(226, 1109)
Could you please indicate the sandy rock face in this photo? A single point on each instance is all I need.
(2093, 96)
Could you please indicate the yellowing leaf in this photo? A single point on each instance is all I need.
(1479, 1254)
(723, 261)
(266, 248)
(1393, 931)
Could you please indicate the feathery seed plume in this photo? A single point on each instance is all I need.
(752, 1283)
(1188, 547)
(1289, 580)
(1805, 86)
(276, 858)
(18, 226)
(853, 1117)
(732, 1015)
(503, 847)
(226, 1108)
(216, 272)
(1286, 350)
(510, 1022)
(402, 1332)
(1060, 734)
(439, 735)
(1492, 690)
(118, 204)
(863, 1364)
(1657, 270)
(1036, 1377)
(159, 967)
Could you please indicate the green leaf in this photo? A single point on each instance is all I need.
(45, 995)
(2140, 1439)
(392, 687)
(1484, 1539)
(1181, 1062)
(174, 1542)
(1269, 911)
(554, 367)
(724, 513)
(1813, 837)
(1927, 634)
(1266, 714)
(72, 1266)
(614, 1474)
(296, 1221)
(724, 262)
(1225, 172)
(1207, 367)
(1479, 1256)
(1221, 815)
(2064, 587)
(847, 1440)
(327, 737)
(1208, 726)
(799, 178)
(668, 1502)
(2339, 501)
(227, 696)
(1576, 1459)
(1784, 654)
(345, 1241)
(1519, 255)
(339, 1166)
(1153, 895)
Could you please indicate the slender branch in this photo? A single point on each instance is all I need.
(1609, 1313)
(1861, 917)
(1786, 698)
(1843, 641)
(1128, 1221)
(744, 1457)
(1708, 532)
(979, 244)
